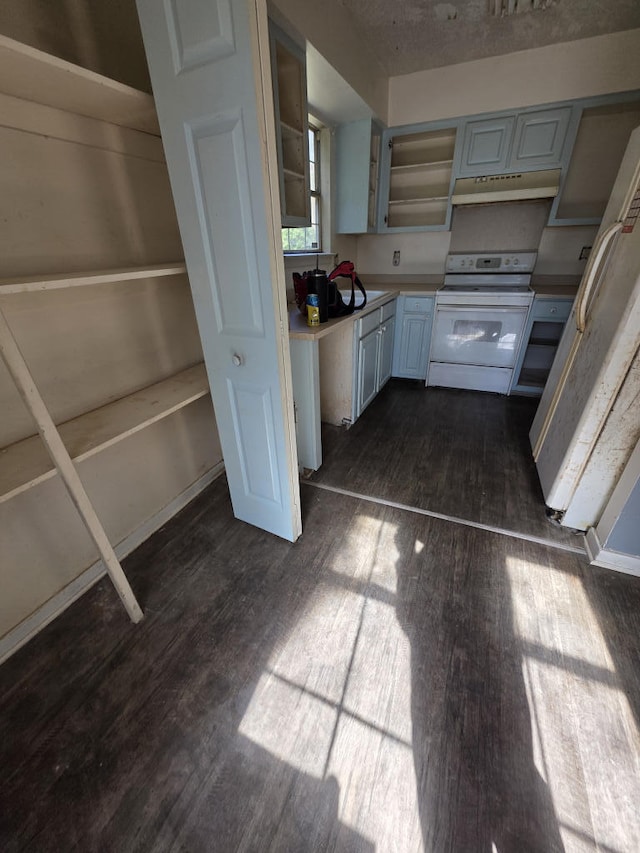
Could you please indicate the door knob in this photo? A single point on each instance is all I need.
(237, 359)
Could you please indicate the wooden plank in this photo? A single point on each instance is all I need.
(60, 457)
(83, 279)
(33, 75)
(27, 116)
(26, 463)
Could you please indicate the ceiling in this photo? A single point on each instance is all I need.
(413, 35)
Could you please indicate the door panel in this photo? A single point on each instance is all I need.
(413, 331)
(206, 59)
(386, 352)
(539, 138)
(486, 146)
(367, 370)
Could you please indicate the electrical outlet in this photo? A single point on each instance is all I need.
(396, 258)
(584, 253)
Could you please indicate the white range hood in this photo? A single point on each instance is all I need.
(516, 187)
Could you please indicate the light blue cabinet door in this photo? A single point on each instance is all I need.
(539, 139)
(413, 336)
(413, 346)
(357, 176)
(367, 370)
(386, 351)
(486, 146)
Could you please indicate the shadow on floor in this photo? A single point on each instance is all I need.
(479, 786)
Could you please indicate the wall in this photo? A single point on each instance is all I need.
(104, 37)
(330, 29)
(576, 69)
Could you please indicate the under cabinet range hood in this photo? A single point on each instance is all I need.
(516, 187)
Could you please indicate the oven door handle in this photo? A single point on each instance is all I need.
(483, 309)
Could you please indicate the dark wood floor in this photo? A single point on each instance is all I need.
(461, 453)
(391, 682)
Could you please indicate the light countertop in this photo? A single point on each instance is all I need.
(299, 330)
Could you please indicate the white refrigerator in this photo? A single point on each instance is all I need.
(588, 420)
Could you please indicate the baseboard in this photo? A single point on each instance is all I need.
(41, 617)
(599, 556)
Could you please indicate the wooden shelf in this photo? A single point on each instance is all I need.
(532, 377)
(26, 463)
(81, 279)
(420, 166)
(419, 200)
(290, 130)
(290, 175)
(544, 342)
(33, 75)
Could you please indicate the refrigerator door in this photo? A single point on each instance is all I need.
(572, 336)
(597, 373)
(591, 365)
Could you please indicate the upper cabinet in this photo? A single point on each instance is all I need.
(417, 172)
(584, 139)
(533, 139)
(486, 146)
(357, 168)
(288, 68)
(602, 137)
(539, 139)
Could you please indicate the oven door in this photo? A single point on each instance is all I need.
(482, 335)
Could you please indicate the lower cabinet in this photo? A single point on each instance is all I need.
(544, 329)
(414, 317)
(374, 354)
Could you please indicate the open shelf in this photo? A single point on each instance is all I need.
(87, 279)
(408, 195)
(532, 377)
(288, 130)
(420, 178)
(417, 167)
(26, 463)
(415, 149)
(419, 213)
(33, 75)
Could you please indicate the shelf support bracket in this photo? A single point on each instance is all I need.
(56, 449)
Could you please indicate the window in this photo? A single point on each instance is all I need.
(308, 239)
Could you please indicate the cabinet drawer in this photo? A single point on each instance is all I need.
(418, 304)
(551, 309)
(369, 322)
(388, 310)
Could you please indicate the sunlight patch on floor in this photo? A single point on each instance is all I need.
(567, 666)
(290, 724)
(335, 699)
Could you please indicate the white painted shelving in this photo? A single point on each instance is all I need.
(27, 463)
(33, 75)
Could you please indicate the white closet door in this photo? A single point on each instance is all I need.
(209, 64)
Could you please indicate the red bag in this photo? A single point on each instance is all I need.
(336, 305)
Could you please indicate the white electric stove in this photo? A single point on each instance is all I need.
(481, 313)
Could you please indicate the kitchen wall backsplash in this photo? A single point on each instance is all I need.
(425, 252)
(420, 253)
(514, 226)
(559, 250)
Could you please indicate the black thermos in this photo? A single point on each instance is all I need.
(317, 282)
